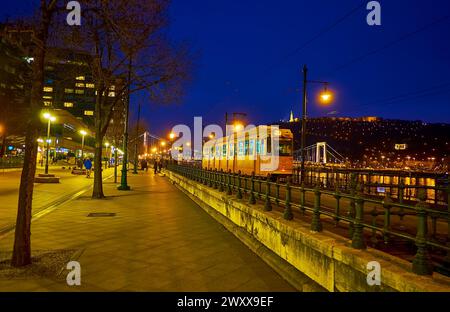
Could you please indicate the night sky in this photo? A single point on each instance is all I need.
(251, 53)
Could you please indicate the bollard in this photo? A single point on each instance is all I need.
(421, 263)
(287, 215)
(358, 241)
(316, 224)
(252, 199)
(239, 191)
(268, 204)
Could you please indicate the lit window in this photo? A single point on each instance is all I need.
(90, 85)
(82, 78)
(47, 103)
(68, 104)
(79, 91)
(112, 88)
(79, 85)
(112, 94)
(89, 113)
(48, 89)
(68, 90)
(47, 97)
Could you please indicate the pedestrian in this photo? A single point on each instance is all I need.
(160, 164)
(88, 166)
(155, 166)
(144, 165)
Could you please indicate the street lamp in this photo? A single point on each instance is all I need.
(83, 134)
(50, 118)
(325, 97)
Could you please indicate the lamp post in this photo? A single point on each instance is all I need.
(136, 140)
(325, 97)
(124, 179)
(50, 118)
(83, 134)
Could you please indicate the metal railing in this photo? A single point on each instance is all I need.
(368, 221)
(333, 178)
(11, 162)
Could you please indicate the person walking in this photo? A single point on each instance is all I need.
(155, 166)
(88, 166)
(144, 165)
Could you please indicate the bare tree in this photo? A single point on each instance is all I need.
(22, 243)
(130, 54)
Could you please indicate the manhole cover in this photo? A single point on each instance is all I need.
(101, 214)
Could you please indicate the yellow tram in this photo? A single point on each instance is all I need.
(263, 150)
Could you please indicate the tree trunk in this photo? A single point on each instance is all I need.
(98, 165)
(22, 240)
(3, 148)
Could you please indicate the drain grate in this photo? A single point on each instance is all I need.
(101, 214)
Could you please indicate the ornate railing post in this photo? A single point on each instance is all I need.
(421, 263)
(268, 204)
(351, 209)
(358, 241)
(277, 191)
(337, 208)
(302, 198)
(387, 205)
(210, 178)
(221, 180)
(239, 191)
(316, 224)
(215, 186)
(260, 187)
(252, 199)
(447, 258)
(229, 191)
(288, 215)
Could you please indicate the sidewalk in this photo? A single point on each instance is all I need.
(43, 195)
(159, 240)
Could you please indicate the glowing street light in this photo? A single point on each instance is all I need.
(172, 135)
(50, 119)
(325, 98)
(163, 143)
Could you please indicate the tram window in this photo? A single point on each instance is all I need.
(258, 147)
(224, 150)
(231, 149)
(251, 147)
(217, 151)
(285, 148)
(246, 147)
(262, 147)
(241, 148)
(211, 152)
(269, 145)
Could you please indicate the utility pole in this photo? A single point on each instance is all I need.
(303, 134)
(124, 179)
(136, 141)
(325, 98)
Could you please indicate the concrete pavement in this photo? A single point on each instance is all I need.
(158, 240)
(44, 194)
